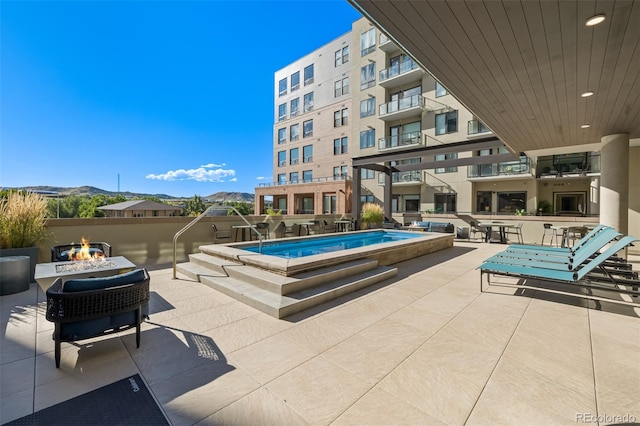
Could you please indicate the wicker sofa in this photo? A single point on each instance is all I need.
(92, 307)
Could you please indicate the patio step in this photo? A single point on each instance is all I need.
(280, 306)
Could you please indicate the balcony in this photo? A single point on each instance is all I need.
(520, 168)
(402, 108)
(406, 140)
(400, 74)
(569, 165)
(413, 177)
(386, 45)
(477, 128)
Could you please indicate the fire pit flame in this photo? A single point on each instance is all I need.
(84, 253)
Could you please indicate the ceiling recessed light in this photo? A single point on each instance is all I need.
(586, 94)
(585, 126)
(595, 20)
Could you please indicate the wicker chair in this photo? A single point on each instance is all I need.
(220, 234)
(61, 252)
(92, 307)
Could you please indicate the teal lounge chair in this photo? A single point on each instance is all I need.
(578, 276)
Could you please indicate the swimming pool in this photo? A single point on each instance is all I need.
(329, 243)
(292, 256)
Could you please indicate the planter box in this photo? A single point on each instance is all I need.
(32, 252)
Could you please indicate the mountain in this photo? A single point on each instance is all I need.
(221, 197)
(90, 191)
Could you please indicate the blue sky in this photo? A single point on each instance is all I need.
(174, 97)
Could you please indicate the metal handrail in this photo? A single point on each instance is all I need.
(197, 219)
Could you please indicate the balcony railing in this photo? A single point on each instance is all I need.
(401, 105)
(580, 163)
(398, 69)
(413, 176)
(520, 167)
(400, 141)
(475, 127)
(314, 180)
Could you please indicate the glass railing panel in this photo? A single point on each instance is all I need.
(406, 139)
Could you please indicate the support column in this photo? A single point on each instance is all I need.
(614, 182)
(355, 196)
(388, 192)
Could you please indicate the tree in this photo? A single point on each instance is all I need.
(194, 207)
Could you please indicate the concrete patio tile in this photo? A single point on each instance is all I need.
(201, 320)
(16, 405)
(318, 334)
(192, 350)
(428, 322)
(616, 363)
(18, 336)
(17, 376)
(445, 376)
(366, 411)
(53, 387)
(193, 395)
(369, 359)
(318, 390)
(271, 357)
(260, 404)
(517, 394)
(239, 334)
(81, 358)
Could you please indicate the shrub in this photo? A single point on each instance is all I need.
(22, 216)
(371, 214)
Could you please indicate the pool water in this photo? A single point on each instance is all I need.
(331, 243)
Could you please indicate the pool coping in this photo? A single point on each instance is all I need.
(387, 254)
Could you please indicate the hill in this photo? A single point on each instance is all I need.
(221, 197)
(90, 191)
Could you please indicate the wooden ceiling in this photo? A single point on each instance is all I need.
(521, 66)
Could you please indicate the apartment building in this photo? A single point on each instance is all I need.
(374, 112)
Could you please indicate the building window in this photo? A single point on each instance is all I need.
(340, 146)
(282, 87)
(367, 107)
(341, 118)
(367, 42)
(282, 135)
(476, 126)
(282, 158)
(294, 132)
(368, 76)
(367, 174)
(340, 172)
(442, 157)
(342, 56)
(440, 90)
(295, 107)
(411, 203)
(293, 177)
(308, 102)
(367, 199)
(294, 156)
(308, 75)
(307, 175)
(483, 202)
(282, 112)
(341, 87)
(329, 204)
(445, 203)
(368, 138)
(307, 128)
(307, 153)
(509, 202)
(295, 81)
(447, 122)
(282, 178)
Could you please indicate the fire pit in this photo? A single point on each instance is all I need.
(46, 273)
